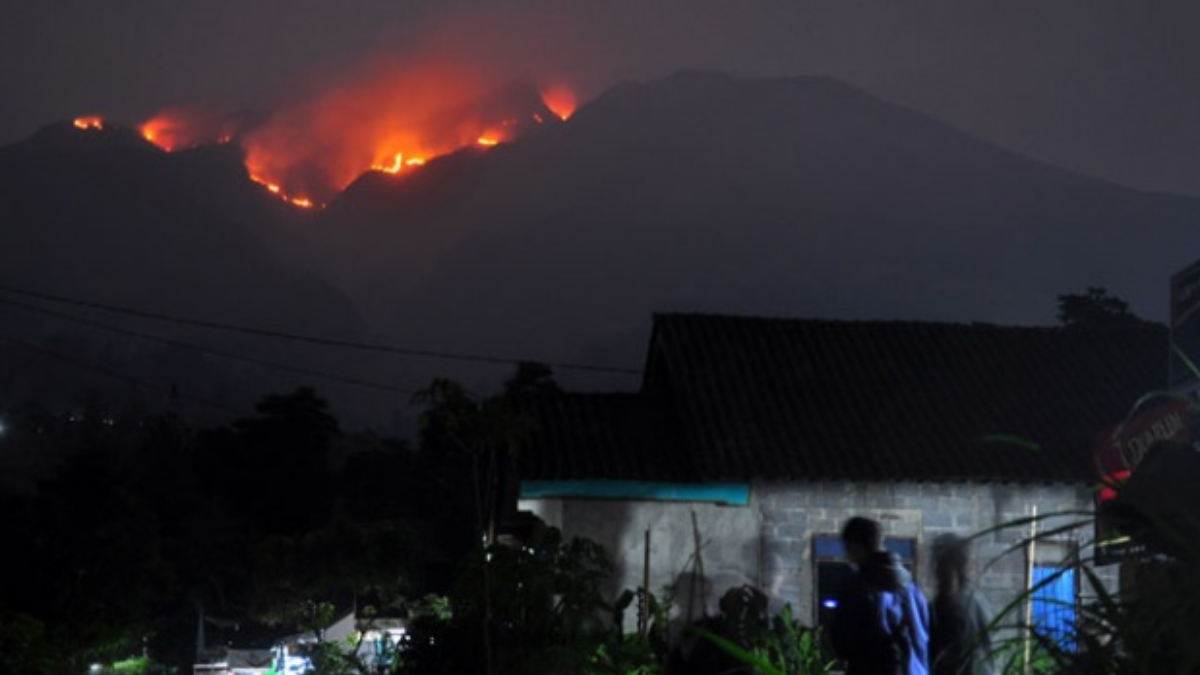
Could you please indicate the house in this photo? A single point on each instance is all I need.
(372, 639)
(752, 440)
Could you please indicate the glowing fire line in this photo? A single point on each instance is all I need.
(277, 190)
(394, 167)
(90, 122)
(398, 163)
(173, 130)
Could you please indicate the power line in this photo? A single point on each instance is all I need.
(116, 375)
(298, 370)
(311, 339)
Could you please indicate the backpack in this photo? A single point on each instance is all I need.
(898, 642)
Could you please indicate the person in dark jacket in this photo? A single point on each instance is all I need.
(881, 624)
(958, 639)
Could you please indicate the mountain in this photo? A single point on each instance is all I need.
(99, 214)
(695, 192)
(796, 197)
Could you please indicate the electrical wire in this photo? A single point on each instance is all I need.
(116, 375)
(296, 370)
(311, 339)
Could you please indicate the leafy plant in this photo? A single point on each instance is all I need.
(788, 648)
(140, 665)
(1144, 628)
(535, 608)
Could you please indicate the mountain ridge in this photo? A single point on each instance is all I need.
(694, 192)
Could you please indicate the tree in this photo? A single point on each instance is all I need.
(274, 467)
(83, 565)
(1096, 308)
(532, 378)
(344, 564)
(540, 607)
(478, 438)
(484, 434)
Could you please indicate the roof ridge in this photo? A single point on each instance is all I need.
(1055, 329)
(578, 394)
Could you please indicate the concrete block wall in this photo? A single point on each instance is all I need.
(730, 538)
(793, 514)
(769, 543)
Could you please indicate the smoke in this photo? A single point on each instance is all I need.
(408, 102)
(180, 128)
(321, 145)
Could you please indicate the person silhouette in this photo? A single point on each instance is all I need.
(958, 639)
(881, 623)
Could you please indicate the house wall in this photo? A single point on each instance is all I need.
(730, 540)
(769, 543)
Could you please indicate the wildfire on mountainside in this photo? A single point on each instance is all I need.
(179, 129)
(89, 122)
(398, 163)
(275, 189)
(560, 100)
(307, 153)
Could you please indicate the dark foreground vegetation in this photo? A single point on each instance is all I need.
(148, 529)
(146, 525)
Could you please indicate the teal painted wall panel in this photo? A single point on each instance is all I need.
(734, 494)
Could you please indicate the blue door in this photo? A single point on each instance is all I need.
(1054, 604)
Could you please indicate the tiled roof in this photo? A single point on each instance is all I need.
(602, 437)
(785, 399)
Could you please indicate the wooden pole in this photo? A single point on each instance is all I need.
(698, 578)
(644, 609)
(1029, 569)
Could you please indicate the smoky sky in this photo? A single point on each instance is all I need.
(1105, 87)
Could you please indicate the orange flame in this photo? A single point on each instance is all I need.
(394, 167)
(385, 120)
(277, 190)
(398, 163)
(389, 119)
(496, 135)
(90, 122)
(560, 100)
(179, 129)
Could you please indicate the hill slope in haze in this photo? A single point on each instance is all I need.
(104, 212)
(101, 215)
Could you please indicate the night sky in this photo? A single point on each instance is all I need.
(1106, 87)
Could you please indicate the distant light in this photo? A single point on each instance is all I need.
(2, 428)
(95, 668)
(829, 603)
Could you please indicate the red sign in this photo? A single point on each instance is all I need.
(1118, 450)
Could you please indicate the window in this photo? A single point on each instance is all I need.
(832, 568)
